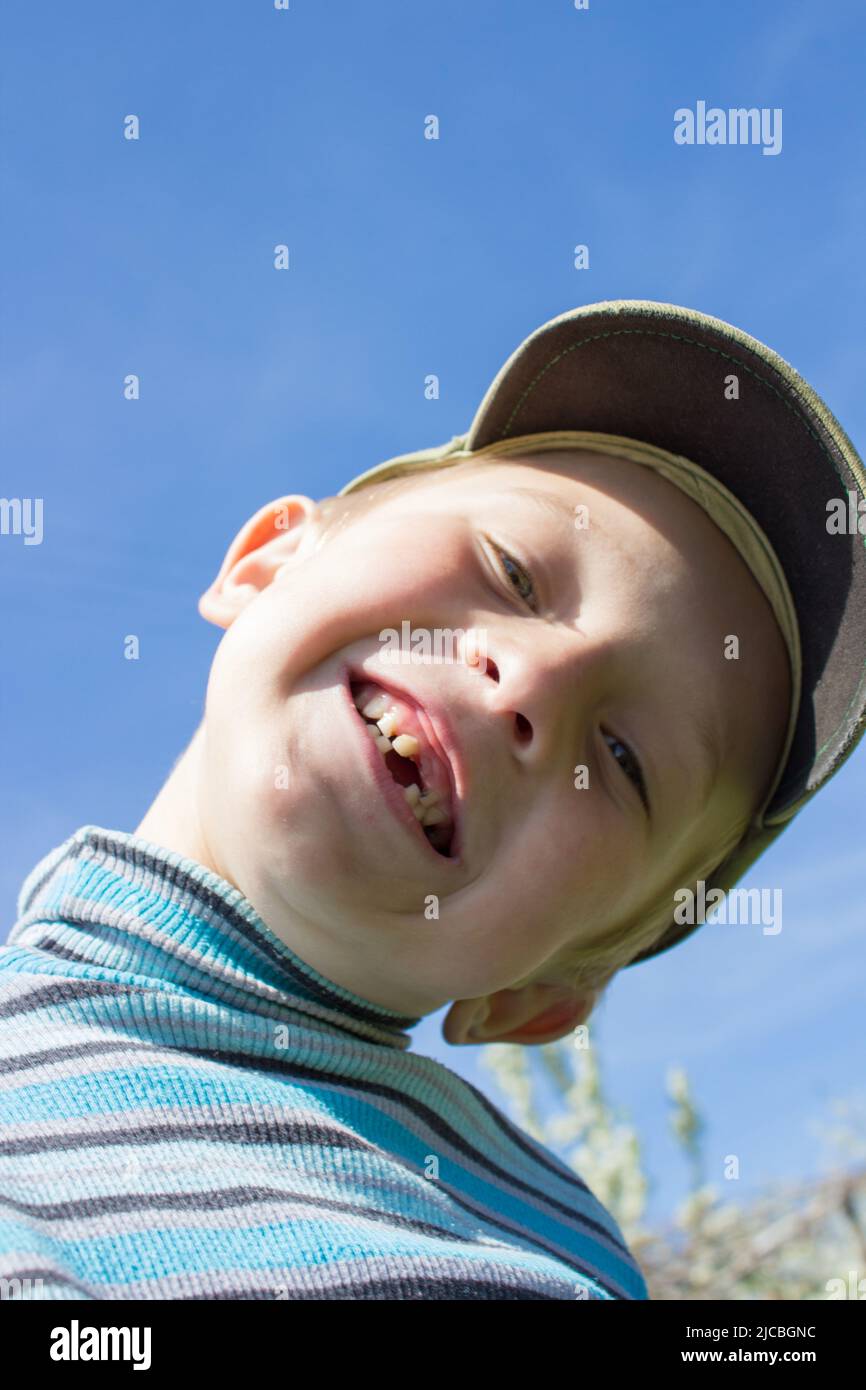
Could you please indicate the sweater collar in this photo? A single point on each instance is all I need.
(126, 905)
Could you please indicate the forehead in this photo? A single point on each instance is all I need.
(562, 476)
(556, 477)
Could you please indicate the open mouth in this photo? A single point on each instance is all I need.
(396, 730)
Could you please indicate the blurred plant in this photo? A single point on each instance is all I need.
(797, 1241)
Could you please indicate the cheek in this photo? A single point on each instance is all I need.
(406, 569)
(281, 652)
(360, 585)
(246, 753)
(355, 586)
(530, 896)
(242, 765)
(239, 671)
(562, 875)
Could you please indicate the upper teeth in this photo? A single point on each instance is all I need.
(406, 745)
(375, 707)
(383, 731)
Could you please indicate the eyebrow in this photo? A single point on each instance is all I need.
(550, 502)
(701, 724)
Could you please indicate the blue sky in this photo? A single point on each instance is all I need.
(408, 257)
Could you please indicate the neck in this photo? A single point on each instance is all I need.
(172, 819)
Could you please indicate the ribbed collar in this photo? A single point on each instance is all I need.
(122, 904)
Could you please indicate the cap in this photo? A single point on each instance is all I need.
(729, 421)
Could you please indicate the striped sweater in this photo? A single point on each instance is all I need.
(189, 1111)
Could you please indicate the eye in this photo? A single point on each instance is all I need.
(519, 578)
(632, 768)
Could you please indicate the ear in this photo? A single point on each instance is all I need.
(269, 540)
(534, 1013)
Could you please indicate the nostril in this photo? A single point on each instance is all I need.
(524, 728)
(491, 669)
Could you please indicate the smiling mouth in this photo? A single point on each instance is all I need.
(414, 765)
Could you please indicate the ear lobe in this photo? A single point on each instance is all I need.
(551, 1023)
(534, 1013)
(262, 546)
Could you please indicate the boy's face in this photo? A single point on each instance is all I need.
(619, 638)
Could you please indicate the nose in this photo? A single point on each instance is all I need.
(545, 687)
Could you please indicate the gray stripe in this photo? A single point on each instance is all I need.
(504, 1226)
(438, 1133)
(32, 1264)
(182, 1174)
(421, 1115)
(400, 1277)
(63, 991)
(84, 1219)
(242, 1124)
(49, 1064)
(114, 1130)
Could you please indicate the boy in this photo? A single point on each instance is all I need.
(207, 1085)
